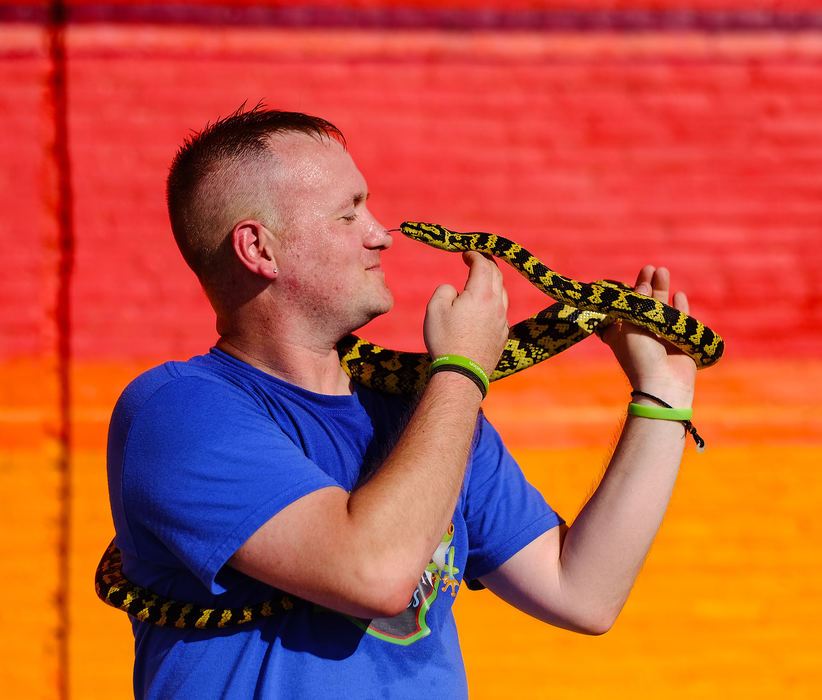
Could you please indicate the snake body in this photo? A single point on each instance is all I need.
(581, 309)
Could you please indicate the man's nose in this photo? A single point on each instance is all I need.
(378, 236)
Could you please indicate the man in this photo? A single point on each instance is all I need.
(260, 471)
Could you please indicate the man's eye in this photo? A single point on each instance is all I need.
(349, 219)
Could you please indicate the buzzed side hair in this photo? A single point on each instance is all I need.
(206, 192)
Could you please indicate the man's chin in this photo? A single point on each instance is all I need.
(378, 310)
(389, 302)
(385, 303)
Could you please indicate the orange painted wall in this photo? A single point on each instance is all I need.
(598, 150)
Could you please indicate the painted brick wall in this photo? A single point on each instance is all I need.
(690, 139)
(598, 151)
(599, 163)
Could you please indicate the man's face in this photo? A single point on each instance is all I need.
(329, 266)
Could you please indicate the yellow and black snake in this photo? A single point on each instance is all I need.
(581, 309)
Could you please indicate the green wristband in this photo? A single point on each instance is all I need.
(463, 365)
(680, 414)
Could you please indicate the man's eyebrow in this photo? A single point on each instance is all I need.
(355, 200)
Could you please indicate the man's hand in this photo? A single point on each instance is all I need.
(472, 323)
(651, 364)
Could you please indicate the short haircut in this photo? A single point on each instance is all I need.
(206, 192)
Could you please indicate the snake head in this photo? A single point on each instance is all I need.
(430, 234)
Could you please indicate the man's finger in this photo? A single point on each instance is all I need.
(444, 295)
(481, 271)
(661, 284)
(680, 303)
(643, 283)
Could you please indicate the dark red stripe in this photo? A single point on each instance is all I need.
(58, 88)
(306, 17)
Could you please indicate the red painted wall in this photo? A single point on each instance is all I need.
(600, 152)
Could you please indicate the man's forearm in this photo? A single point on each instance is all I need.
(326, 546)
(430, 459)
(603, 551)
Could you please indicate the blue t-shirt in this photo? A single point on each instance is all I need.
(202, 453)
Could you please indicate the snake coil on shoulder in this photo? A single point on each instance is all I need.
(581, 309)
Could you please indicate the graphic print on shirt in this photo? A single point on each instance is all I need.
(410, 625)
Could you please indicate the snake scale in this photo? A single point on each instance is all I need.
(581, 310)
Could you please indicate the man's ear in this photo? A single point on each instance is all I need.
(253, 245)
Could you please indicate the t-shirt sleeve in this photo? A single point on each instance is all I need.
(204, 467)
(503, 512)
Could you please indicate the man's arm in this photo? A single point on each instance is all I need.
(580, 577)
(363, 553)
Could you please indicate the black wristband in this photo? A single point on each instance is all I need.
(464, 371)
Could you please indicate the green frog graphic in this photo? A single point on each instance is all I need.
(410, 625)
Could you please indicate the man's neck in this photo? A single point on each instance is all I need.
(314, 368)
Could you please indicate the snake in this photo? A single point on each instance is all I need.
(581, 309)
